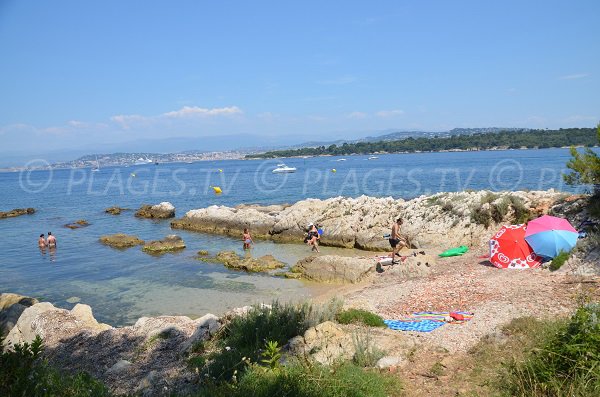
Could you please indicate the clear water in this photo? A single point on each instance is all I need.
(124, 285)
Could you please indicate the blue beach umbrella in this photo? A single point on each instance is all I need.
(548, 236)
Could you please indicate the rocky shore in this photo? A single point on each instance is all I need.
(441, 220)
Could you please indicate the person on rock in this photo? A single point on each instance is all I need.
(396, 242)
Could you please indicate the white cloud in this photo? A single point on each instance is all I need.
(191, 111)
(357, 115)
(390, 113)
(574, 76)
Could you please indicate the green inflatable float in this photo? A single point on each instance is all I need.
(454, 251)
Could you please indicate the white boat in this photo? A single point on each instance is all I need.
(282, 168)
(97, 167)
(373, 158)
(142, 161)
(340, 160)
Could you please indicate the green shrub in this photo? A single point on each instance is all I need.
(360, 316)
(243, 338)
(23, 372)
(499, 210)
(522, 213)
(303, 379)
(366, 354)
(559, 260)
(566, 363)
(481, 216)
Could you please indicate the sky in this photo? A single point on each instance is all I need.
(82, 75)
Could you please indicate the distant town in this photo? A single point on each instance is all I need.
(130, 159)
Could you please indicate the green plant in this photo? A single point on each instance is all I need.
(481, 216)
(305, 379)
(499, 210)
(366, 354)
(559, 260)
(360, 316)
(271, 355)
(566, 362)
(24, 372)
(522, 213)
(437, 369)
(244, 336)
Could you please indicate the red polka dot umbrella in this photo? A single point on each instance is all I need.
(509, 250)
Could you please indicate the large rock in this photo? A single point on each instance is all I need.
(333, 268)
(231, 260)
(163, 210)
(443, 220)
(53, 324)
(168, 244)
(16, 212)
(325, 343)
(121, 240)
(11, 307)
(77, 224)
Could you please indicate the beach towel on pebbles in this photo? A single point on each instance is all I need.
(419, 326)
(427, 321)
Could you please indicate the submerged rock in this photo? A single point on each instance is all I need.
(16, 212)
(231, 260)
(121, 240)
(77, 224)
(163, 210)
(168, 244)
(114, 210)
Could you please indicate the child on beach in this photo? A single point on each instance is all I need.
(247, 238)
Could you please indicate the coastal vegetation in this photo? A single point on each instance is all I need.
(24, 372)
(483, 141)
(585, 167)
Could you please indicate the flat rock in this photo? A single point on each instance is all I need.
(121, 240)
(168, 244)
(231, 260)
(334, 268)
(17, 212)
(163, 210)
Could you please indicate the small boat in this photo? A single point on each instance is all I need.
(373, 158)
(340, 160)
(282, 168)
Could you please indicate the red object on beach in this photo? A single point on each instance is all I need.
(509, 250)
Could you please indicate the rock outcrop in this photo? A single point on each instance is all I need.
(16, 212)
(114, 210)
(168, 244)
(231, 260)
(147, 358)
(334, 269)
(11, 308)
(163, 210)
(121, 240)
(443, 220)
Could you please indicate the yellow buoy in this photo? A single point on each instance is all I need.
(220, 170)
(217, 189)
(334, 170)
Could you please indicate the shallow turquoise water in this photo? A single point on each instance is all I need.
(124, 285)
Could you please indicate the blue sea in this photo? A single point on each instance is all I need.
(122, 286)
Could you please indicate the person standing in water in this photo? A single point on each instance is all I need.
(313, 237)
(51, 240)
(247, 238)
(42, 241)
